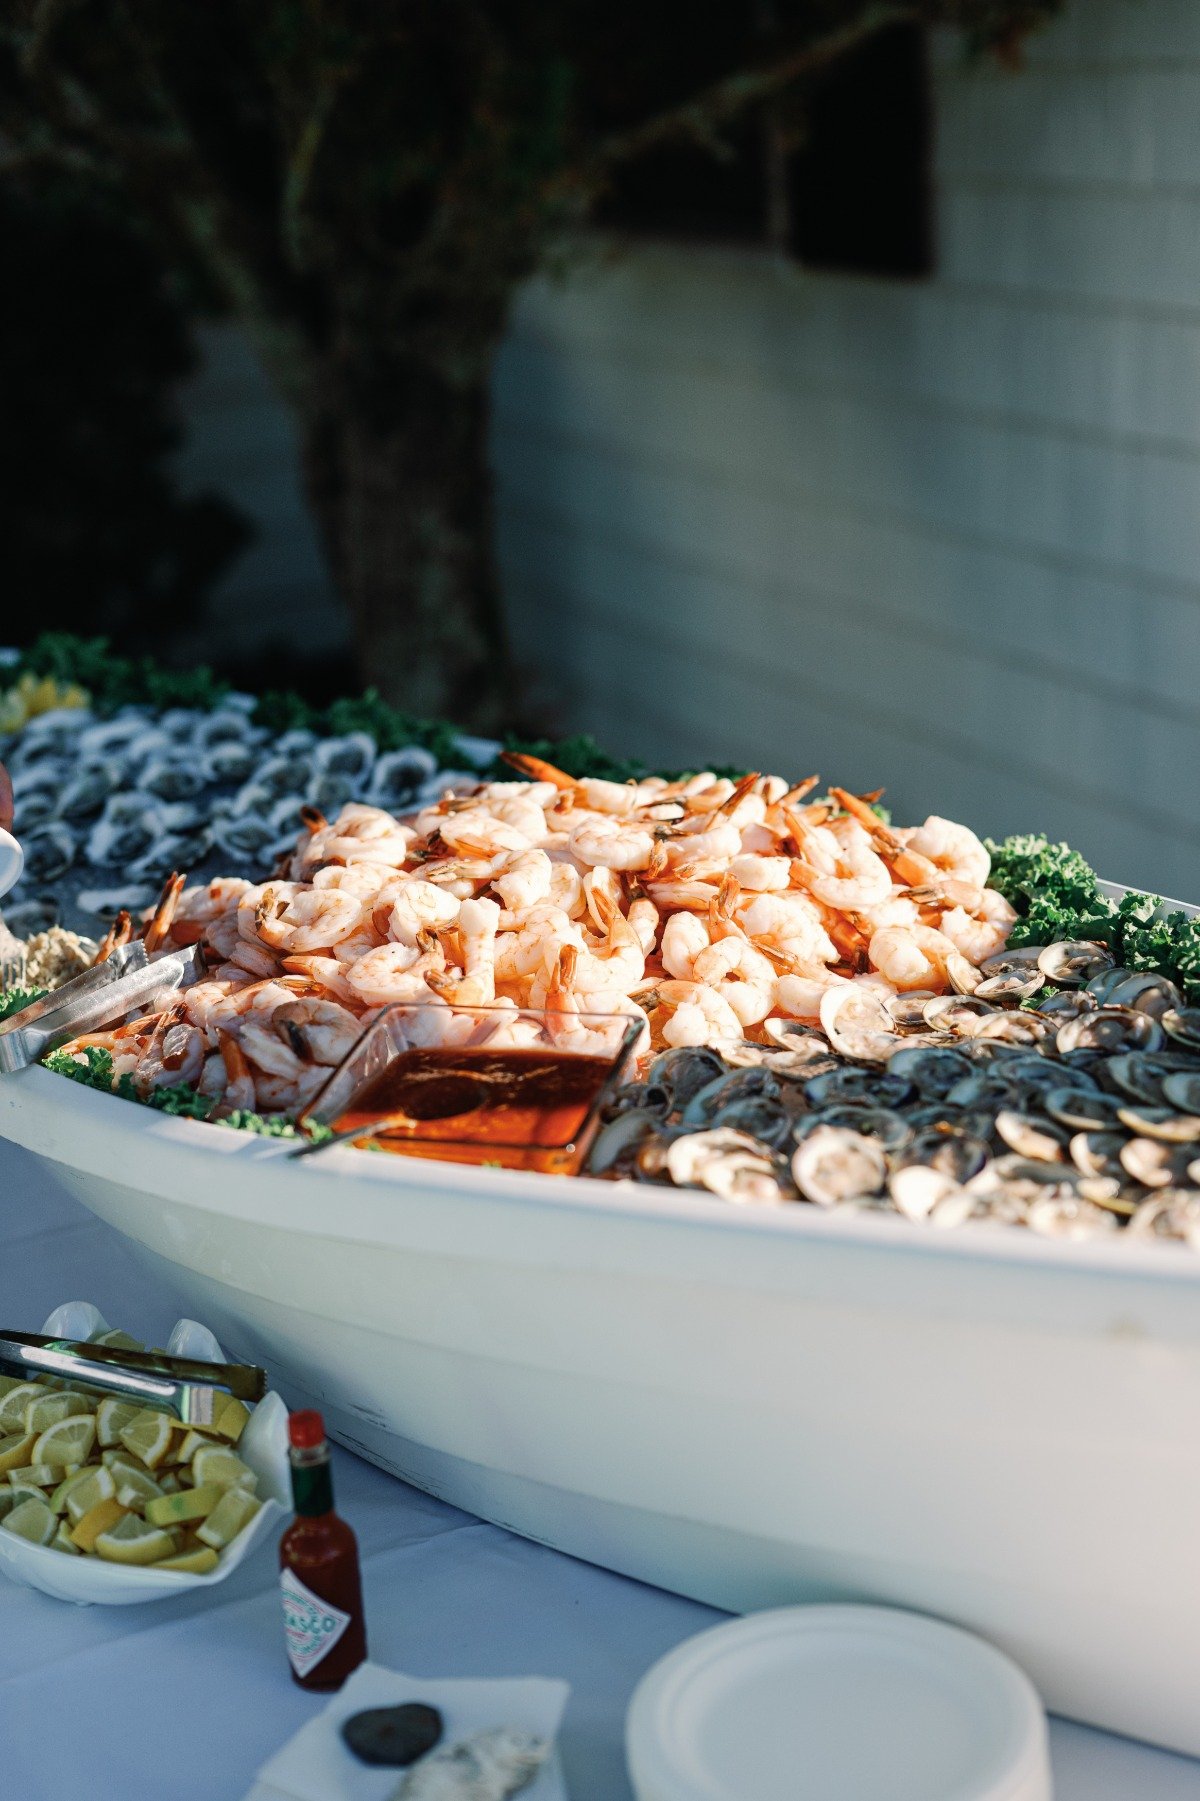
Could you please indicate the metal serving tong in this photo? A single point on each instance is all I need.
(175, 1383)
(100, 996)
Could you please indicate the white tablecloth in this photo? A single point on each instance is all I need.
(183, 1700)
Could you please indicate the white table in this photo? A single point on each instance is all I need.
(186, 1699)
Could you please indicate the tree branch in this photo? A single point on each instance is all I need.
(696, 120)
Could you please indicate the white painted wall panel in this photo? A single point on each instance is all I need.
(942, 535)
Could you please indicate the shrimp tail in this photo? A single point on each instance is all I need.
(116, 937)
(740, 790)
(158, 927)
(534, 769)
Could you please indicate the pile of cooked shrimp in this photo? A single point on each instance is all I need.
(699, 908)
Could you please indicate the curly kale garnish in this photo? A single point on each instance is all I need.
(1057, 895)
(114, 681)
(92, 1066)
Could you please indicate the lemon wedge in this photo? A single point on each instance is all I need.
(28, 1491)
(62, 1540)
(119, 1341)
(214, 1463)
(232, 1512)
(132, 1540)
(87, 1490)
(192, 1563)
(15, 1451)
(189, 1504)
(12, 1407)
(232, 1419)
(58, 1500)
(103, 1517)
(111, 1415)
(34, 1475)
(134, 1487)
(49, 1408)
(68, 1441)
(31, 1519)
(148, 1436)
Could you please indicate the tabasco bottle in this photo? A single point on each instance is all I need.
(323, 1622)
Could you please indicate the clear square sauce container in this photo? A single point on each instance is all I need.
(481, 1084)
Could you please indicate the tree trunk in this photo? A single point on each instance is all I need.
(401, 488)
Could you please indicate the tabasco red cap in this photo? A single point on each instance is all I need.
(306, 1430)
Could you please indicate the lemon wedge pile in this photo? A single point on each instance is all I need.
(108, 1478)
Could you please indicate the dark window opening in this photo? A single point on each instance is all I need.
(838, 177)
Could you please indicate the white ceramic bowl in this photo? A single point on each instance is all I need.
(85, 1580)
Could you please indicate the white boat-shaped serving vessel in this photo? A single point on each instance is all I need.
(749, 1405)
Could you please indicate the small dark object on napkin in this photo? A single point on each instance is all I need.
(393, 1736)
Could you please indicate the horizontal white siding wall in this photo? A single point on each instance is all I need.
(945, 535)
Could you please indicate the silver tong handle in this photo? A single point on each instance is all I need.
(86, 1004)
(178, 1383)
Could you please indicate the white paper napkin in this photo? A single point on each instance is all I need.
(315, 1765)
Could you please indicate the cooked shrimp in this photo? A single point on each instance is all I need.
(692, 896)
(319, 1031)
(798, 993)
(175, 1054)
(982, 930)
(741, 975)
(412, 906)
(288, 917)
(513, 1030)
(684, 937)
(698, 1014)
(951, 848)
(202, 907)
(328, 972)
(702, 854)
(761, 874)
(620, 962)
(479, 833)
(526, 879)
(117, 936)
(394, 972)
(611, 844)
(237, 1090)
(535, 944)
(912, 956)
(476, 987)
(790, 922)
(566, 887)
(290, 1094)
(359, 834)
(255, 959)
(645, 922)
(158, 927)
(365, 880)
(569, 1024)
(840, 869)
(268, 1048)
(602, 891)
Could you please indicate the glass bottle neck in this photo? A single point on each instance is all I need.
(312, 1481)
